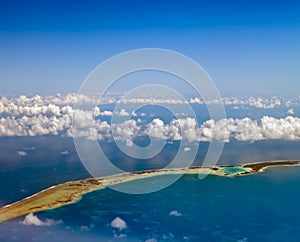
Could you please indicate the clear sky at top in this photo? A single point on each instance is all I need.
(248, 47)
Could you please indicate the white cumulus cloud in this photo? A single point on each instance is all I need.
(119, 224)
(22, 153)
(175, 213)
(122, 113)
(32, 219)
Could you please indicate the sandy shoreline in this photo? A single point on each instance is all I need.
(71, 192)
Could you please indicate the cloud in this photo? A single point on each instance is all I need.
(263, 103)
(175, 213)
(34, 126)
(86, 228)
(22, 153)
(168, 237)
(52, 115)
(151, 100)
(96, 112)
(65, 152)
(187, 129)
(122, 113)
(151, 240)
(106, 113)
(119, 224)
(59, 105)
(196, 100)
(244, 129)
(184, 128)
(157, 129)
(32, 219)
(257, 102)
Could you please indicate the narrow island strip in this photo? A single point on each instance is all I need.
(71, 192)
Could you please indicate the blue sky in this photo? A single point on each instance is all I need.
(248, 47)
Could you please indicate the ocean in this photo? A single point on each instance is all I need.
(259, 207)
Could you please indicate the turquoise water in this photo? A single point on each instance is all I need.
(231, 170)
(260, 207)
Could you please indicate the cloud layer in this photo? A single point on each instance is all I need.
(51, 104)
(52, 115)
(244, 129)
